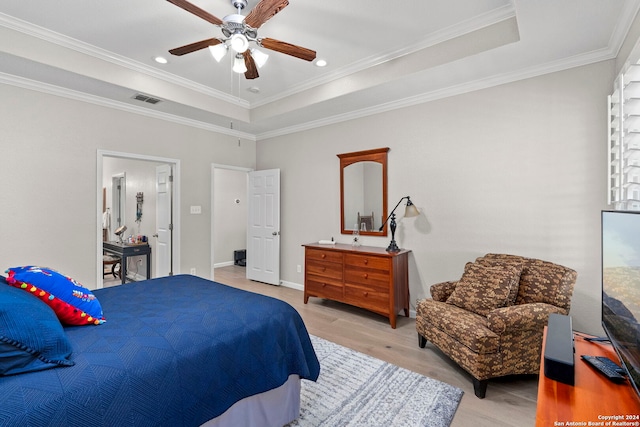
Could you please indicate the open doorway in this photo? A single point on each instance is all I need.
(229, 209)
(147, 180)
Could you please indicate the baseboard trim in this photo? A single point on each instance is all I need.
(223, 264)
(292, 285)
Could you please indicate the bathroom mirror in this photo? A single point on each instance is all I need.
(363, 191)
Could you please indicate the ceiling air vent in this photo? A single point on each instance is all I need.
(146, 98)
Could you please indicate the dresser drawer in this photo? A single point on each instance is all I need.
(368, 278)
(371, 299)
(316, 286)
(365, 261)
(324, 269)
(323, 255)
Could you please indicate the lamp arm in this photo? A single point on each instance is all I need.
(394, 209)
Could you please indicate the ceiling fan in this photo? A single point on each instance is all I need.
(239, 31)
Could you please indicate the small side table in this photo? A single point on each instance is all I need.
(124, 251)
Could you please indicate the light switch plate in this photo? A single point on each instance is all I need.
(196, 210)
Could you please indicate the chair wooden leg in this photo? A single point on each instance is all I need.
(480, 387)
(422, 341)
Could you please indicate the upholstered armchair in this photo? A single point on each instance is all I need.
(491, 321)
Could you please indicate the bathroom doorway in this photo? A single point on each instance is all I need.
(144, 204)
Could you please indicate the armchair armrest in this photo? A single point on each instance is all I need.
(442, 291)
(521, 317)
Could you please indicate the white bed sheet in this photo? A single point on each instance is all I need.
(273, 408)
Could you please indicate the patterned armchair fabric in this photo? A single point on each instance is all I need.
(491, 339)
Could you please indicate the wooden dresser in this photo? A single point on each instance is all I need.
(363, 276)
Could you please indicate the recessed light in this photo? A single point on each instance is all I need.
(321, 63)
(160, 60)
(254, 89)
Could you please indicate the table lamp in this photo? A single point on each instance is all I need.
(409, 211)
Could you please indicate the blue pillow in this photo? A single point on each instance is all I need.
(31, 336)
(73, 303)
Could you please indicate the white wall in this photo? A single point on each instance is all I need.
(518, 168)
(48, 177)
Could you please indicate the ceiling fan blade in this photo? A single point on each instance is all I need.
(184, 4)
(252, 70)
(288, 48)
(264, 11)
(183, 50)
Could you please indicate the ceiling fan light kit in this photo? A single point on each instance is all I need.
(218, 51)
(238, 64)
(259, 57)
(239, 43)
(239, 31)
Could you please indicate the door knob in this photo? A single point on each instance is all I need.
(275, 233)
(155, 235)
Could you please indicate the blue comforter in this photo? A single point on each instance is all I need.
(175, 351)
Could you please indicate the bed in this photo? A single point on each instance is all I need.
(174, 351)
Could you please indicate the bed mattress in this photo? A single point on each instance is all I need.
(174, 351)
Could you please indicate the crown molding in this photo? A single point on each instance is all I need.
(627, 16)
(105, 55)
(21, 82)
(478, 22)
(526, 73)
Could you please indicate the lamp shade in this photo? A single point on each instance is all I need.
(218, 51)
(411, 209)
(238, 64)
(259, 57)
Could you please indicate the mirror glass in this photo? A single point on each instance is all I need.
(363, 178)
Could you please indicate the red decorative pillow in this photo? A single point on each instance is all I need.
(72, 303)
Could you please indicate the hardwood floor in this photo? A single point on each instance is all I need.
(509, 402)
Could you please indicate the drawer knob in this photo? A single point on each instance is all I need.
(324, 269)
(366, 276)
(323, 255)
(366, 294)
(366, 261)
(324, 285)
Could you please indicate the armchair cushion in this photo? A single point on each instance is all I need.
(522, 317)
(464, 326)
(540, 281)
(484, 288)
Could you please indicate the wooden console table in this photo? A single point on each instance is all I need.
(591, 399)
(363, 276)
(124, 251)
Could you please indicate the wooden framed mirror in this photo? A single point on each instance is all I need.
(363, 192)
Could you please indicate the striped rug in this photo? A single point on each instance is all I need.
(355, 389)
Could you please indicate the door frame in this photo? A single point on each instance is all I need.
(215, 166)
(175, 244)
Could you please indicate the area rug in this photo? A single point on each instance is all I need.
(355, 389)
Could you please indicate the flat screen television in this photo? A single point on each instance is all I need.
(621, 288)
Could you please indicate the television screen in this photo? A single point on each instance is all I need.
(621, 287)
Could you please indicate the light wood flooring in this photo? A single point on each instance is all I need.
(509, 402)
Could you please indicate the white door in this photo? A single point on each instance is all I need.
(263, 228)
(164, 217)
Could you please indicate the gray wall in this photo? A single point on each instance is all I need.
(518, 168)
(48, 178)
